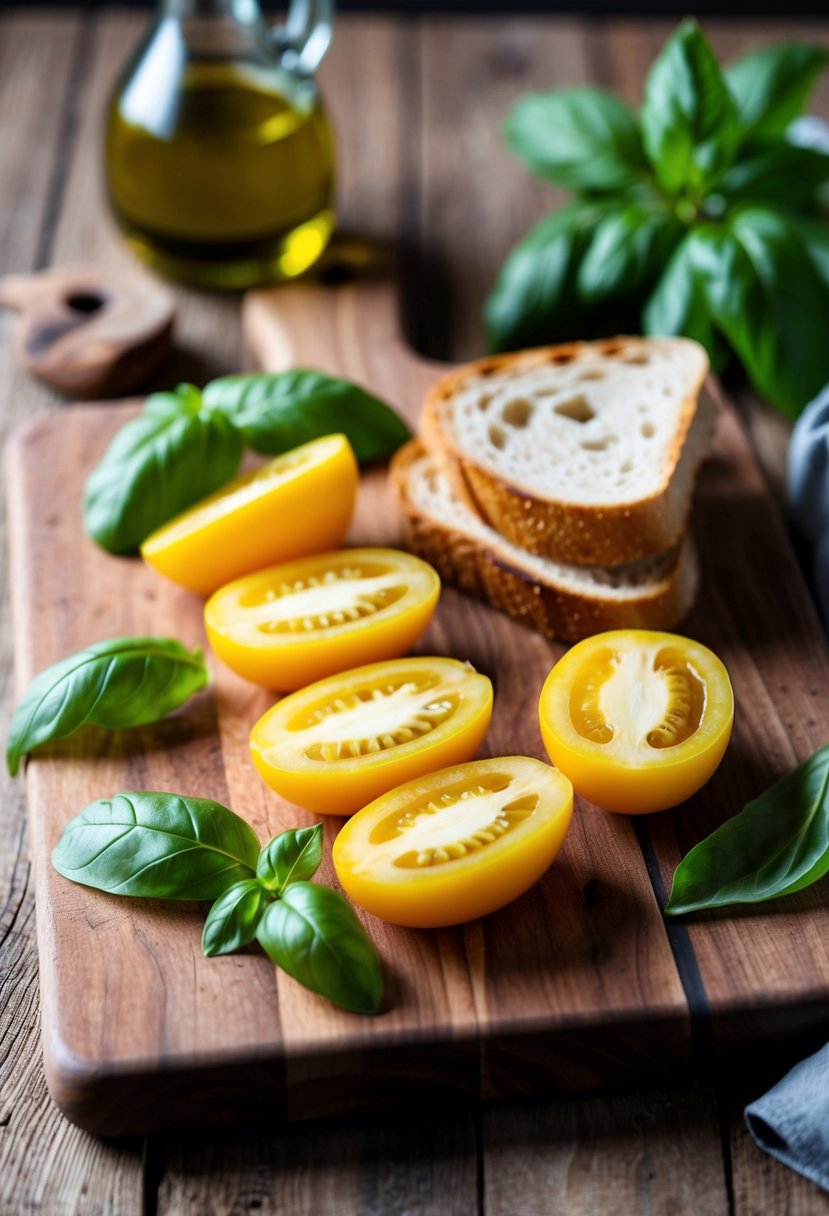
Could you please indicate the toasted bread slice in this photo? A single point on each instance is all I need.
(585, 453)
(560, 601)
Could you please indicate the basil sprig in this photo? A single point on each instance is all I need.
(120, 683)
(186, 444)
(778, 844)
(699, 216)
(167, 846)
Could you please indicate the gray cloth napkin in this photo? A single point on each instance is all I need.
(791, 1121)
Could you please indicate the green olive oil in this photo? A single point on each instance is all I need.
(222, 180)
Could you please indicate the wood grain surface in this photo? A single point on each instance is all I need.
(399, 126)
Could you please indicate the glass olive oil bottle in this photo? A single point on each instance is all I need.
(219, 154)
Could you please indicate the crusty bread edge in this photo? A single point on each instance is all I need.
(491, 573)
(610, 534)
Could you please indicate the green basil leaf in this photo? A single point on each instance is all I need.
(581, 139)
(535, 299)
(771, 86)
(119, 683)
(678, 304)
(278, 411)
(313, 935)
(778, 844)
(173, 454)
(689, 119)
(628, 252)
(776, 172)
(232, 921)
(770, 301)
(159, 845)
(814, 236)
(290, 857)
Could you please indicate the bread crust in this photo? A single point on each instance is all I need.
(575, 533)
(492, 574)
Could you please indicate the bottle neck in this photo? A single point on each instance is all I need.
(245, 12)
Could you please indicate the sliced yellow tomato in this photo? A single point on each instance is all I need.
(342, 742)
(298, 503)
(291, 624)
(637, 720)
(456, 844)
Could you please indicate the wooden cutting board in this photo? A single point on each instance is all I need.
(579, 984)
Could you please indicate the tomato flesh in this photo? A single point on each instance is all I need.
(300, 502)
(457, 844)
(340, 743)
(638, 720)
(291, 624)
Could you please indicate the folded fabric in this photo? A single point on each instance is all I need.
(791, 1121)
(809, 490)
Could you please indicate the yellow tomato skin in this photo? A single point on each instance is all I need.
(238, 618)
(627, 773)
(374, 854)
(300, 502)
(295, 745)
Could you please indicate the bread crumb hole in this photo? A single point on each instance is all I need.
(577, 408)
(483, 401)
(497, 437)
(561, 357)
(639, 358)
(517, 412)
(597, 445)
(648, 430)
(626, 466)
(591, 374)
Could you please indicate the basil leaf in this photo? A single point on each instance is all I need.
(771, 86)
(777, 172)
(119, 683)
(769, 300)
(814, 236)
(290, 857)
(535, 298)
(164, 846)
(689, 120)
(582, 139)
(279, 411)
(232, 921)
(173, 454)
(313, 935)
(628, 252)
(678, 305)
(778, 844)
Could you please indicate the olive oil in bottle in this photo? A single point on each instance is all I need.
(219, 172)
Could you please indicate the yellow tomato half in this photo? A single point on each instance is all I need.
(456, 844)
(291, 624)
(342, 742)
(637, 720)
(298, 503)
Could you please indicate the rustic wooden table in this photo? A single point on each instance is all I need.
(417, 107)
